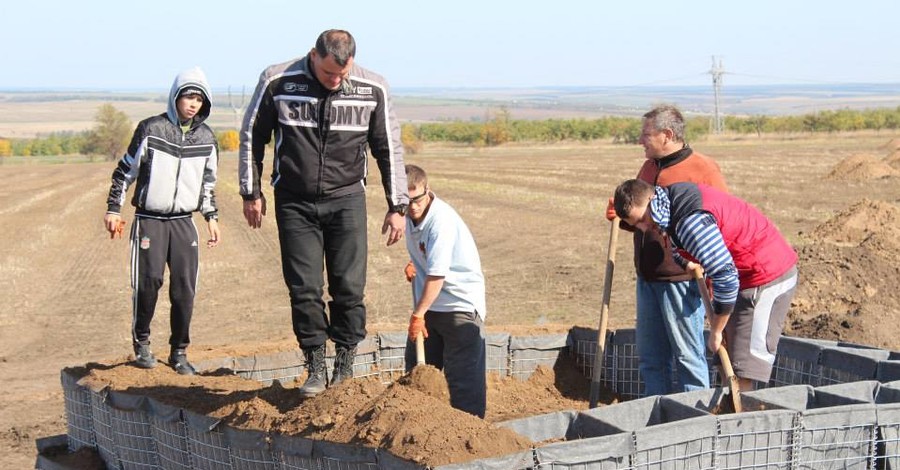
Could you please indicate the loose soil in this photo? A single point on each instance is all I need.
(411, 418)
(535, 212)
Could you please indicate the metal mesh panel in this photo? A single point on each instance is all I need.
(760, 448)
(584, 344)
(282, 367)
(103, 431)
(208, 447)
(627, 378)
(526, 354)
(296, 462)
(837, 447)
(249, 449)
(497, 354)
(335, 456)
(695, 454)
(794, 371)
(843, 365)
(293, 453)
(134, 443)
(603, 453)
(171, 443)
(79, 421)
(888, 442)
(391, 356)
(328, 463)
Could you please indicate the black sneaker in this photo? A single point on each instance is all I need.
(178, 361)
(143, 357)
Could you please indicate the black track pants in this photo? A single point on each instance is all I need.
(154, 244)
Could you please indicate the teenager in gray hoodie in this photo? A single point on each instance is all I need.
(171, 161)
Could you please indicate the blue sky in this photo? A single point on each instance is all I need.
(125, 45)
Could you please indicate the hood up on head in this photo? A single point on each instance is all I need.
(192, 78)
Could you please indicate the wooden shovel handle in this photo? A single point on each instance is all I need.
(724, 359)
(420, 348)
(604, 312)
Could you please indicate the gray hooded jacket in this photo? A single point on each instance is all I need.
(174, 172)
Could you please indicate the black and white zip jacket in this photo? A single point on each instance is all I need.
(174, 172)
(321, 135)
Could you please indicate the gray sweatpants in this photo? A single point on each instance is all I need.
(455, 344)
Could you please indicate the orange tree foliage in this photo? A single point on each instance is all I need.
(229, 141)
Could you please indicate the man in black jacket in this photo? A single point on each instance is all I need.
(325, 112)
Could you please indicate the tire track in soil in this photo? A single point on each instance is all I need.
(62, 264)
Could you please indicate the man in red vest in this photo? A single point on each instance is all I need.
(669, 321)
(752, 267)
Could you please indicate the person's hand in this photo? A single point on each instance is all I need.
(611, 210)
(114, 225)
(416, 326)
(694, 269)
(409, 271)
(214, 235)
(394, 225)
(254, 211)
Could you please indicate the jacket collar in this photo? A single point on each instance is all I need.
(675, 158)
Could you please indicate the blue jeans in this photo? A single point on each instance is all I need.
(670, 325)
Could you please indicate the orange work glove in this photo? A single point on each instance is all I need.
(611, 210)
(416, 324)
(410, 271)
(120, 228)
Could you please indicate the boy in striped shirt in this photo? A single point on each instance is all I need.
(752, 268)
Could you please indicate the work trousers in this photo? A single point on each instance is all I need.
(333, 230)
(156, 243)
(456, 345)
(670, 327)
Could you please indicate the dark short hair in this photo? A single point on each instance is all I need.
(664, 117)
(415, 176)
(629, 194)
(336, 43)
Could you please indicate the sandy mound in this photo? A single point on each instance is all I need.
(860, 221)
(893, 159)
(410, 418)
(848, 278)
(891, 145)
(861, 167)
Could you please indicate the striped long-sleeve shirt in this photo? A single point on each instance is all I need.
(699, 236)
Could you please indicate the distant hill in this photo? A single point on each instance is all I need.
(26, 112)
(604, 101)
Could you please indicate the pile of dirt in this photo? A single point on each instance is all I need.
(848, 274)
(411, 418)
(854, 225)
(893, 159)
(861, 167)
(892, 145)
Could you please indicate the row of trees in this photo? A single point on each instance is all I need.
(108, 138)
(499, 128)
(112, 131)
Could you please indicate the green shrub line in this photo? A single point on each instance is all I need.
(500, 128)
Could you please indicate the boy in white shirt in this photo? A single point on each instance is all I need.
(448, 293)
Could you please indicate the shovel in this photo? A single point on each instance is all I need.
(420, 349)
(725, 369)
(604, 312)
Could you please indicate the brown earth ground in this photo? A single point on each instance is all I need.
(535, 211)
